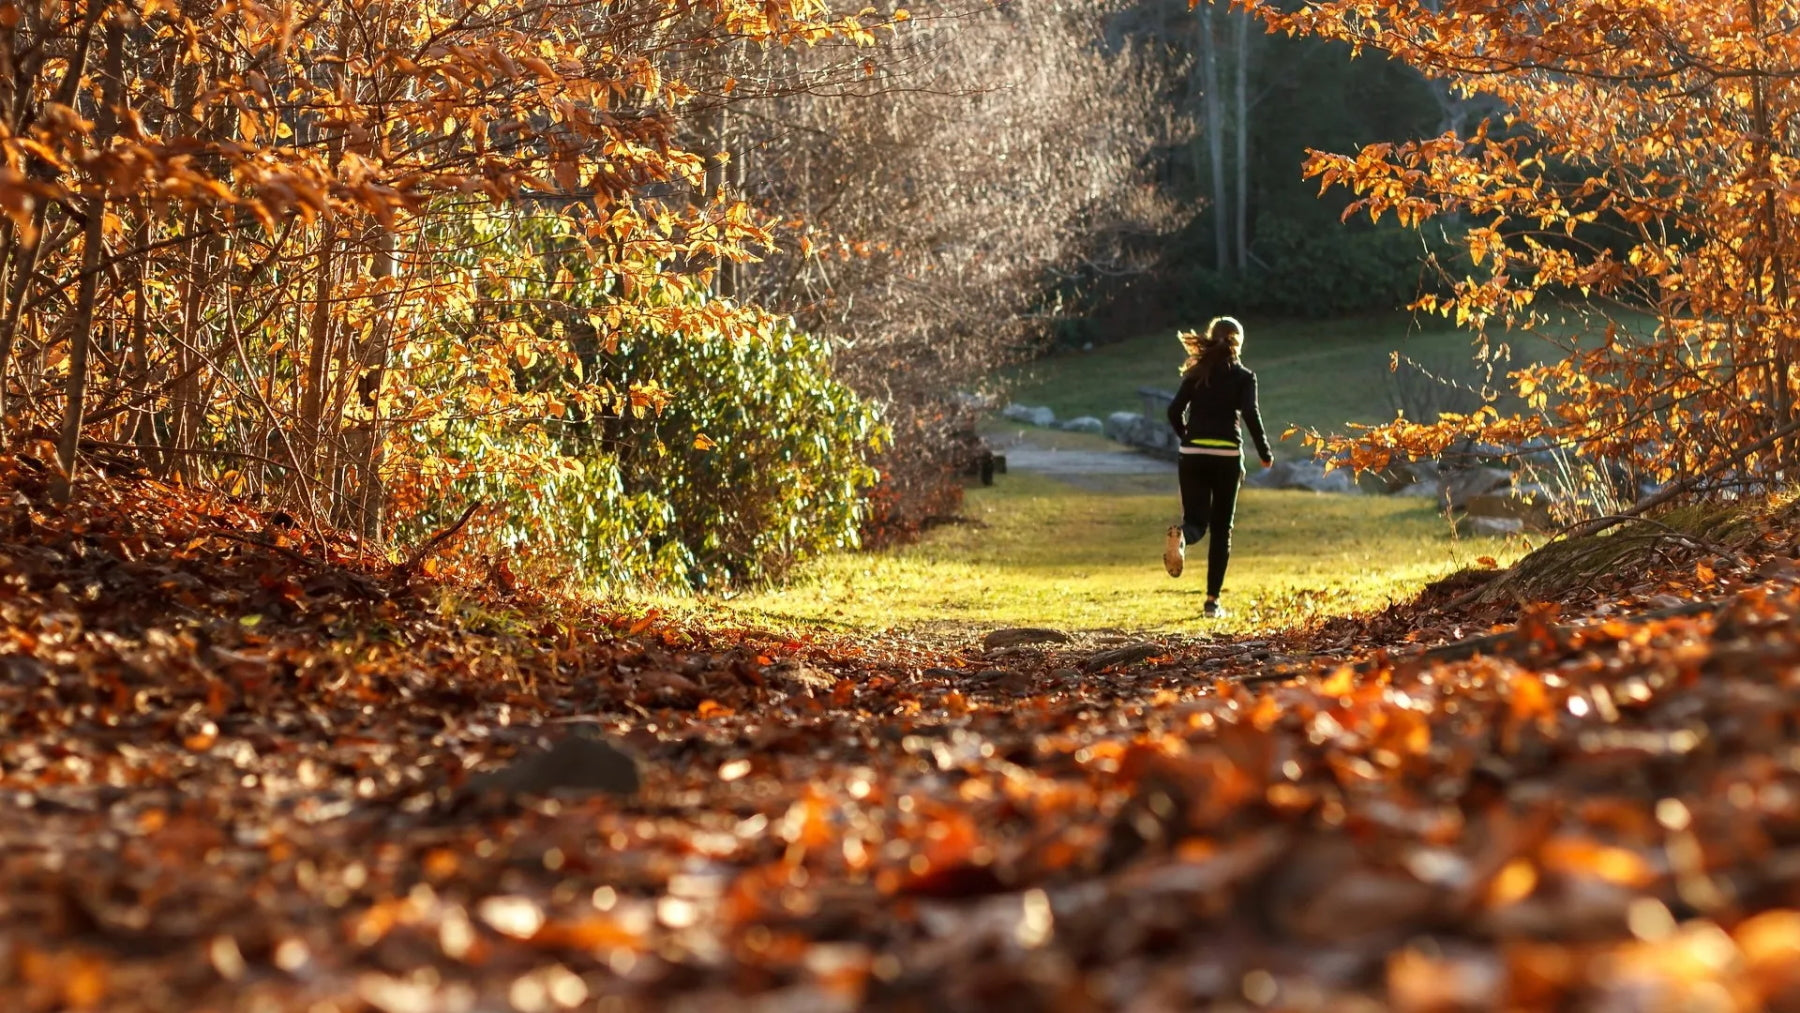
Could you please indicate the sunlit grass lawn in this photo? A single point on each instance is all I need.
(1039, 551)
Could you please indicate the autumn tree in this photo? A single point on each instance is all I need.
(268, 249)
(1643, 169)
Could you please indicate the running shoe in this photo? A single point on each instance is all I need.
(1213, 610)
(1174, 550)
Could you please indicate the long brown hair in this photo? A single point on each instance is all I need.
(1213, 349)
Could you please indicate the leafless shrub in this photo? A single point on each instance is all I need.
(989, 153)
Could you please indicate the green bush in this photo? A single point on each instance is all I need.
(758, 458)
(785, 475)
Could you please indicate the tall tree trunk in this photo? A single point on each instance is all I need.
(718, 176)
(185, 410)
(367, 438)
(1770, 263)
(321, 334)
(1215, 137)
(93, 239)
(143, 431)
(1241, 50)
(25, 264)
(309, 429)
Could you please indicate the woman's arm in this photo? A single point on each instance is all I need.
(1253, 419)
(1184, 395)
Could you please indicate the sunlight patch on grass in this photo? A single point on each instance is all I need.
(1038, 551)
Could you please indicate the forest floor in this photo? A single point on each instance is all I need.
(244, 768)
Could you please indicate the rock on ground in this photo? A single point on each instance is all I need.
(1017, 636)
(577, 764)
(1036, 415)
(1456, 488)
(1494, 525)
(1309, 475)
(1083, 424)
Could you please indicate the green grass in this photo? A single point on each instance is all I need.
(1085, 554)
(1039, 551)
(1311, 374)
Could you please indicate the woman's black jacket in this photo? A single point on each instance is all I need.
(1205, 411)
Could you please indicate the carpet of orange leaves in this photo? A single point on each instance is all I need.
(234, 761)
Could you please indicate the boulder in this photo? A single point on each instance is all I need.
(1083, 424)
(1531, 513)
(1152, 435)
(1531, 502)
(1308, 475)
(1493, 525)
(579, 763)
(1017, 636)
(1468, 453)
(1456, 488)
(1539, 453)
(1156, 402)
(1410, 474)
(1155, 436)
(1119, 425)
(1036, 415)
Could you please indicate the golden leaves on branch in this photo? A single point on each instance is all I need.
(1616, 130)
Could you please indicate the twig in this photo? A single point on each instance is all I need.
(431, 544)
(1631, 514)
(1685, 485)
(271, 546)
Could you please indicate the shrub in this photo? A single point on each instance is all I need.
(709, 447)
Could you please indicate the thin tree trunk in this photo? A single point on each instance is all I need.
(322, 333)
(318, 355)
(185, 394)
(144, 422)
(1771, 264)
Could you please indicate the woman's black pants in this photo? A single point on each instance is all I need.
(1209, 489)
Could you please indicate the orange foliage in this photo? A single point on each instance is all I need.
(1644, 167)
(264, 245)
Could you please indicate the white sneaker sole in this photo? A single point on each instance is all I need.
(1172, 554)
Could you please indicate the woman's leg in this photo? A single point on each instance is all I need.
(1197, 485)
(1222, 479)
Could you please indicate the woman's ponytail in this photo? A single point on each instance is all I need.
(1213, 349)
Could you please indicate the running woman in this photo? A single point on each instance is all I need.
(1215, 390)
